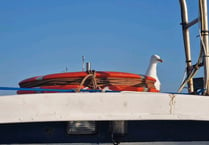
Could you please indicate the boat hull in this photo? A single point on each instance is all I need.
(150, 117)
(138, 131)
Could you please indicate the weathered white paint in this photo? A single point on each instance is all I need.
(103, 106)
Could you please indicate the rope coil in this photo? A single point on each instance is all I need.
(92, 75)
(91, 80)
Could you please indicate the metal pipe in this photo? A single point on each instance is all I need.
(186, 36)
(83, 61)
(204, 41)
(88, 66)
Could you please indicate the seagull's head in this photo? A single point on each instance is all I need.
(156, 58)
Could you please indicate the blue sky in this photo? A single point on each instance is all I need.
(39, 37)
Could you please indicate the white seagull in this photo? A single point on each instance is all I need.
(152, 69)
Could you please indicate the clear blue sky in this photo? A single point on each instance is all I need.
(39, 37)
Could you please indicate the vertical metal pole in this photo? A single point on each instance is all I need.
(83, 61)
(88, 66)
(186, 36)
(204, 37)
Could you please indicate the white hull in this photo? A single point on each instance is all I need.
(102, 106)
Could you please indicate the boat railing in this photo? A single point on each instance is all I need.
(203, 60)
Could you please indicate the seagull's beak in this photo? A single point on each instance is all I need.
(160, 60)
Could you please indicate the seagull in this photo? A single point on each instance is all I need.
(152, 69)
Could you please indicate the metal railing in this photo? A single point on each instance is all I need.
(203, 59)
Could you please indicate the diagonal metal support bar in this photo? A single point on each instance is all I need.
(193, 22)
